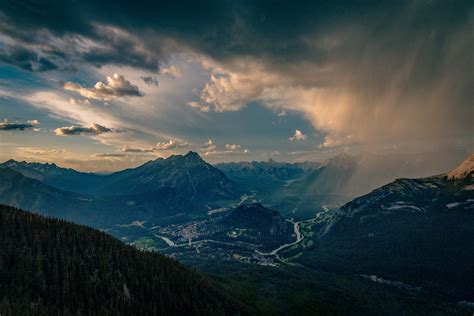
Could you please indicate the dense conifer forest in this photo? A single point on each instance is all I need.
(51, 267)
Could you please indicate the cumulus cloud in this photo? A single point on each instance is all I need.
(170, 145)
(93, 129)
(115, 87)
(150, 80)
(7, 125)
(227, 90)
(298, 136)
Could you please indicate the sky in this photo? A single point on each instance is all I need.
(106, 85)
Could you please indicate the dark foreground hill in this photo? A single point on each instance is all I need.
(52, 267)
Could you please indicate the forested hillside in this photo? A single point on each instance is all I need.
(51, 267)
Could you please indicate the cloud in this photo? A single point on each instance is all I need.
(39, 151)
(209, 145)
(129, 149)
(225, 152)
(231, 91)
(170, 145)
(232, 146)
(173, 72)
(198, 105)
(150, 80)
(93, 129)
(80, 102)
(111, 45)
(298, 136)
(110, 155)
(210, 149)
(6, 125)
(407, 81)
(160, 146)
(25, 58)
(116, 87)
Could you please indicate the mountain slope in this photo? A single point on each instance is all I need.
(417, 231)
(54, 267)
(256, 224)
(189, 175)
(20, 191)
(61, 178)
(256, 216)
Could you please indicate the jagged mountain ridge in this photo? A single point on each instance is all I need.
(266, 170)
(188, 174)
(62, 178)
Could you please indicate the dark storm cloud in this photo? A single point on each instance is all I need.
(276, 28)
(25, 58)
(275, 32)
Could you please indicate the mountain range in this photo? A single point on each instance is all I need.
(189, 174)
(163, 187)
(413, 235)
